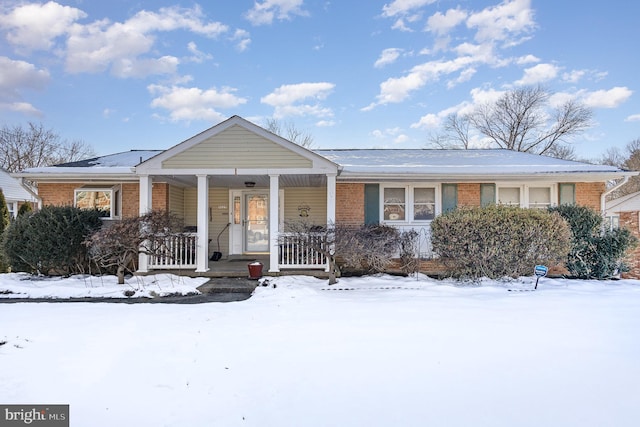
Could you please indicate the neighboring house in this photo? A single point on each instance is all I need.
(15, 193)
(625, 212)
(239, 184)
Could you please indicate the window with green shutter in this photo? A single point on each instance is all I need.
(371, 203)
(567, 194)
(449, 197)
(487, 194)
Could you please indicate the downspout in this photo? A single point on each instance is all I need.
(609, 191)
(35, 195)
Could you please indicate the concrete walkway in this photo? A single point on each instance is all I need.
(219, 289)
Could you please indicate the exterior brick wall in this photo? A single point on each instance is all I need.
(589, 194)
(130, 200)
(349, 204)
(468, 195)
(57, 194)
(631, 220)
(62, 194)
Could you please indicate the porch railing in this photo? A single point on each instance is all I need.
(173, 252)
(297, 252)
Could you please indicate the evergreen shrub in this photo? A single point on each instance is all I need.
(499, 241)
(595, 253)
(50, 241)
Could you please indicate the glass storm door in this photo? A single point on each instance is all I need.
(256, 222)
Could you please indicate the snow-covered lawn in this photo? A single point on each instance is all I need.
(383, 351)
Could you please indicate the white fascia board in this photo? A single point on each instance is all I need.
(238, 171)
(557, 177)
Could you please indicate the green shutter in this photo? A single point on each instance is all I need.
(371, 203)
(449, 197)
(567, 194)
(487, 194)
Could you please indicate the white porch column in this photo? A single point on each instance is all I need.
(331, 199)
(274, 222)
(202, 258)
(144, 207)
(331, 203)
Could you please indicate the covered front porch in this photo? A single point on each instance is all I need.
(237, 186)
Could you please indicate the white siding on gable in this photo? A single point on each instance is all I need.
(236, 147)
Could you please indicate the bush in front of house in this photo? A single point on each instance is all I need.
(499, 241)
(116, 246)
(50, 241)
(374, 248)
(595, 253)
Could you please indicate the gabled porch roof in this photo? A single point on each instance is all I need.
(237, 147)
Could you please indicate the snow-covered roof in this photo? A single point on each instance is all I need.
(458, 163)
(118, 163)
(389, 164)
(13, 190)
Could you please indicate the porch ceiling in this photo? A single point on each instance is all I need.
(238, 181)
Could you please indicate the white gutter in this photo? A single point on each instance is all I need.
(603, 203)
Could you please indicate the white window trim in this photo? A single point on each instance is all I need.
(114, 190)
(524, 191)
(409, 202)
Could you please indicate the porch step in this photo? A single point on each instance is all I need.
(228, 285)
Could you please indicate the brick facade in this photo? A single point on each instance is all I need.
(468, 195)
(589, 194)
(631, 221)
(350, 204)
(62, 194)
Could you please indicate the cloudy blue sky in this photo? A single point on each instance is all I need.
(123, 74)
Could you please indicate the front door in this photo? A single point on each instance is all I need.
(256, 222)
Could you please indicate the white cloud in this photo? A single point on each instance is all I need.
(502, 22)
(388, 56)
(266, 11)
(538, 74)
(17, 76)
(197, 55)
(397, 89)
(573, 76)
(243, 39)
(103, 45)
(607, 98)
(527, 59)
(464, 76)
(186, 104)
(35, 26)
(633, 118)
(443, 23)
(428, 121)
(401, 7)
(300, 99)
(325, 123)
(396, 135)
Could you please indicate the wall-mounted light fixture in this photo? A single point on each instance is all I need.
(249, 184)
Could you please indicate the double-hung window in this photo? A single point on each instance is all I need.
(408, 203)
(509, 196)
(104, 200)
(527, 196)
(539, 197)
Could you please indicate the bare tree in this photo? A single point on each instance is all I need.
(521, 120)
(34, 146)
(117, 245)
(289, 131)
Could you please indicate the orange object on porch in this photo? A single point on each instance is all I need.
(255, 270)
